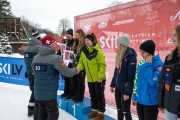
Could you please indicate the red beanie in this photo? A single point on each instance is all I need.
(47, 40)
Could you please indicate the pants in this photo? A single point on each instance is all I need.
(122, 106)
(66, 86)
(96, 91)
(31, 86)
(36, 110)
(48, 110)
(67, 83)
(77, 86)
(169, 116)
(32, 102)
(147, 112)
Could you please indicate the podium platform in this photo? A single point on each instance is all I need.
(78, 110)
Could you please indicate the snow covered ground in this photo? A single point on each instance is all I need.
(14, 101)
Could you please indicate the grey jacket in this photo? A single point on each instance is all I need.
(30, 51)
(47, 66)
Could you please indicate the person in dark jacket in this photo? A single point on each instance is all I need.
(146, 82)
(123, 79)
(30, 51)
(69, 41)
(169, 84)
(77, 86)
(46, 68)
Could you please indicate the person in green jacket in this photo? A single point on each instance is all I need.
(92, 60)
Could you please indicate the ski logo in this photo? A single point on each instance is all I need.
(13, 69)
(42, 68)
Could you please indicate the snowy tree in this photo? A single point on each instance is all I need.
(5, 46)
(5, 11)
(64, 24)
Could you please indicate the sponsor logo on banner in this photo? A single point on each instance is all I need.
(108, 41)
(124, 22)
(12, 69)
(87, 28)
(102, 25)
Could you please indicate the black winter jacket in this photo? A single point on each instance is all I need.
(124, 77)
(169, 85)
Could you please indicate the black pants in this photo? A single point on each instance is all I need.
(96, 91)
(67, 83)
(147, 112)
(77, 86)
(32, 99)
(66, 86)
(122, 105)
(36, 110)
(31, 86)
(48, 110)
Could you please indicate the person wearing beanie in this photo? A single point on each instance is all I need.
(92, 60)
(69, 41)
(69, 32)
(148, 46)
(123, 78)
(36, 34)
(30, 51)
(46, 69)
(146, 82)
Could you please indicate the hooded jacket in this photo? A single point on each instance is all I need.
(30, 51)
(92, 59)
(47, 66)
(123, 77)
(146, 81)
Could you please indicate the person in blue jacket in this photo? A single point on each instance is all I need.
(123, 79)
(146, 82)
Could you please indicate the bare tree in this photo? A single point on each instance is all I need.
(114, 3)
(64, 24)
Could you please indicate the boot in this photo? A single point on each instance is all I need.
(100, 116)
(30, 112)
(93, 114)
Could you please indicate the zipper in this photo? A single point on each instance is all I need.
(140, 84)
(89, 70)
(118, 70)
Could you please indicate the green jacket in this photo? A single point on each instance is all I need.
(92, 59)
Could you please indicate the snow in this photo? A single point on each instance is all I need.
(13, 55)
(14, 101)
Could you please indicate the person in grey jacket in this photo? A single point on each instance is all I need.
(47, 66)
(30, 51)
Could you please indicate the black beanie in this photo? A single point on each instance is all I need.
(90, 37)
(70, 31)
(148, 46)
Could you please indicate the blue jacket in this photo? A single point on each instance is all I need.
(146, 81)
(124, 77)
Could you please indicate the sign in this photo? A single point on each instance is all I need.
(12, 70)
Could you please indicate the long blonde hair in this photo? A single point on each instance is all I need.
(177, 30)
(120, 54)
(81, 40)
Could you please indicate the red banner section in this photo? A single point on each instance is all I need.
(141, 19)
